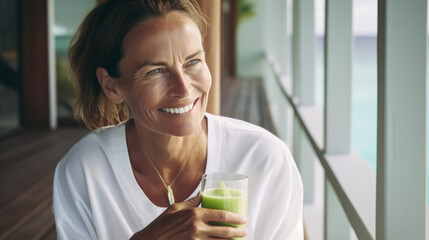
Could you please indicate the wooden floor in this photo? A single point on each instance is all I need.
(28, 160)
(27, 164)
(245, 99)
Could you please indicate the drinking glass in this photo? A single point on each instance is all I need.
(227, 191)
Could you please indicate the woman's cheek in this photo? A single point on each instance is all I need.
(208, 78)
(203, 77)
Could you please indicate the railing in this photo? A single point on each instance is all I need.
(398, 207)
(363, 230)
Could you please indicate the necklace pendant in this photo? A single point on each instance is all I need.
(170, 195)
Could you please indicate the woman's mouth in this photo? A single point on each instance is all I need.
(180, 110)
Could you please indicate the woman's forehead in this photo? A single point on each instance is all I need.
(161, 37)
(156, 26)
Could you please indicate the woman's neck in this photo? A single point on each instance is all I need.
(168, 153)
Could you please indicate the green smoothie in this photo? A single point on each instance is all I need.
(233, 200)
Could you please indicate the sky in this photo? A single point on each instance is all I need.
(364, 17)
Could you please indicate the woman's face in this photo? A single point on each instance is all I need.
(164, 77)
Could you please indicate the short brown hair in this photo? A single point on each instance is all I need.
(99, 43)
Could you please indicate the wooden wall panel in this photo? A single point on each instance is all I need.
(34, 45)
(212, 41)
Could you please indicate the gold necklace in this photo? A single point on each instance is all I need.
(170, 194)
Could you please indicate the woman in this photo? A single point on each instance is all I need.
(143, 85)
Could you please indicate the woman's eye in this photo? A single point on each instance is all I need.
(158, 70)
(193, 62)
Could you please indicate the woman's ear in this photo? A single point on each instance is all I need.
(109, 85)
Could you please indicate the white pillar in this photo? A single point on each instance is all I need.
(401, 140)
(338, 82)
(303, 51)
(336, 224)
(303, 87)
(338, 76)
(304, 157)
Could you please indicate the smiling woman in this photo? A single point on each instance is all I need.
(105, 49)
(144, 83)
(163, 70)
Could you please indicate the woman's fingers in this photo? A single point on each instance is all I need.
(190, 203)
(223, 216)
(228, 232)
(213, 232)
(208, 215)
(186, 220)
(199, 222)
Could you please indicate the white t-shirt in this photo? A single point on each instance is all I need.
(96, 195)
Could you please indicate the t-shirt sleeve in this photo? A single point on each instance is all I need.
(291, 196)
(280, 208)
(275, 204)
(71, 205)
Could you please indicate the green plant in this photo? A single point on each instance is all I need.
(245, 10)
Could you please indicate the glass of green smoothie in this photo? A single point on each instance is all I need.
(227, 191)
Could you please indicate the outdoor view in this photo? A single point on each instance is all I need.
(364, 88)
(364, 79)
(68, 14)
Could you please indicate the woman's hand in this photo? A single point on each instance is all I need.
(186, 221)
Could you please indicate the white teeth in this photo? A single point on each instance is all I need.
(180, 110)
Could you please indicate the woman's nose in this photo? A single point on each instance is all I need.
(180, 85)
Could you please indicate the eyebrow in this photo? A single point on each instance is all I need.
(147, 63)
(193, 55)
